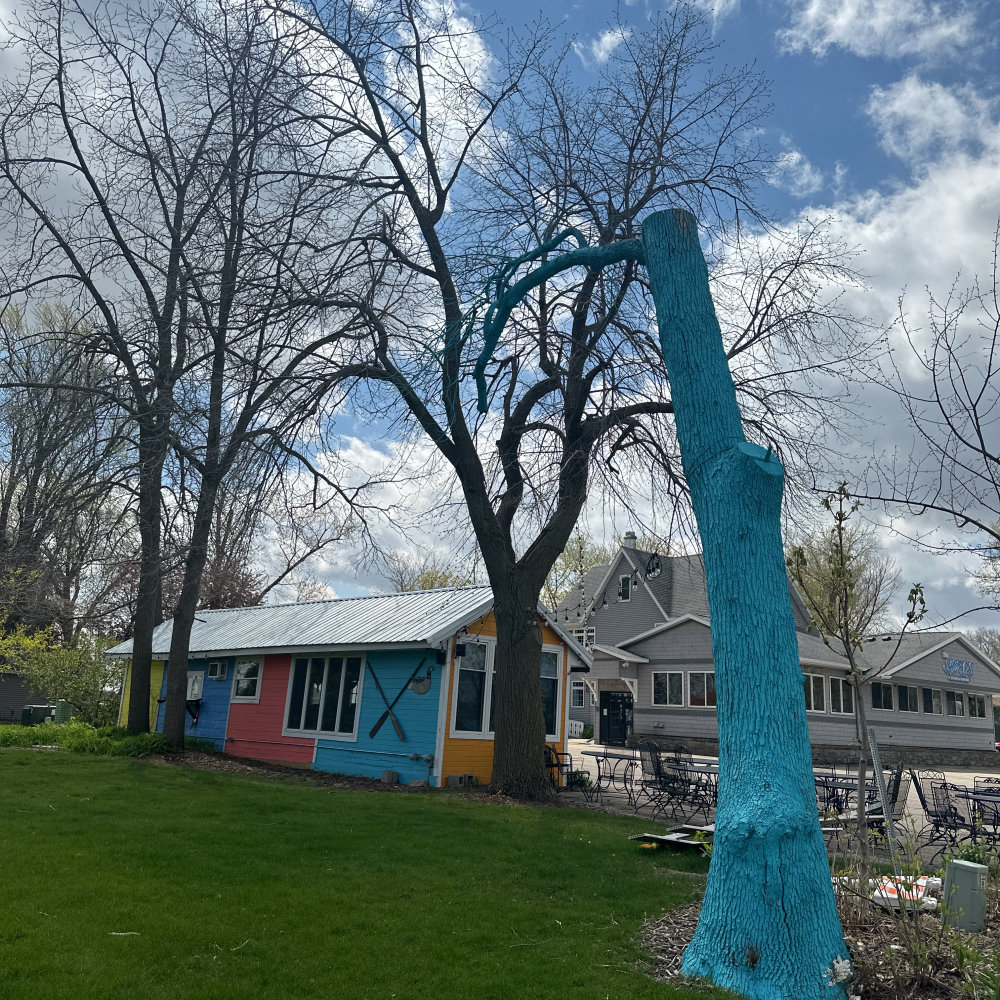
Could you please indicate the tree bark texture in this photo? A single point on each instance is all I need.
(769, 927)
(152, 453)
(519, 728)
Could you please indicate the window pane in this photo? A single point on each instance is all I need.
(550, 663)
(475, 656)
(577, 694)
(709, 689)
(697, 685)
(334, 673)
(819, 694)
(848, 698)
(807, 687)
(660, 689)
(836, 686)
(676, 689)
(314, 693)
(298, 690)
(247, 675)
(625, 587)
(549, 688)
(469, 710)
(349, 698)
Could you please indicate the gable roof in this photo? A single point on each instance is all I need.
(414, 618)
(678, 591)
(913, 647)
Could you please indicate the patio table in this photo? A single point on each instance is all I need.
(615, 770)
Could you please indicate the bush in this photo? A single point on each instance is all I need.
(79, 737)
(588, 733)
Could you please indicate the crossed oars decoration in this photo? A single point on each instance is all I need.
(389, 706)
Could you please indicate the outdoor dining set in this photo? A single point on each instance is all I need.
(673, 784)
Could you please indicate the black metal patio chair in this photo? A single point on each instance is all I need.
(563, 774)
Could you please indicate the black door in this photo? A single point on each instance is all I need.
(616, 717)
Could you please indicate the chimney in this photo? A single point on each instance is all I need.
(628, 541)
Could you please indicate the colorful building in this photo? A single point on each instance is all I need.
(399, 683)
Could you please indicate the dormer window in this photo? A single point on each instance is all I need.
(625, 588)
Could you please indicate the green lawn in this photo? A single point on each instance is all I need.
(123, 879)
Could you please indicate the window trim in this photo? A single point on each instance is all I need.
(871, 690)
(243, 699)
(822, 686)
(625, 580)
(574, 687)
(932, 691)
(899, 700)
(703, 708)
(845, 683)
(969, 695)
(652, 690)
(323, 734)
(958, 698)
(491, 646)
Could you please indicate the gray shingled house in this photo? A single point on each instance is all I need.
(645, 618)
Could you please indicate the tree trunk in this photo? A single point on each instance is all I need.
(519, 728)
(187, 604)
(769, 926)
(152, 452)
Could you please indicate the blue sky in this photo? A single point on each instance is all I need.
(886, 120)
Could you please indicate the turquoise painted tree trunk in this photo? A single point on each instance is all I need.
(769, 927)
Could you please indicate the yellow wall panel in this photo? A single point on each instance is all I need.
(155, 680)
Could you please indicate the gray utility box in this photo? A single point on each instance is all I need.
(461, 780)
(964, 895)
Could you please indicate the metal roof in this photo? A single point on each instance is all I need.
(422, 617)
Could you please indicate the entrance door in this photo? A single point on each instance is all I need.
(616, 717)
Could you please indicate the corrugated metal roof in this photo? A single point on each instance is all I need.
(421, 617)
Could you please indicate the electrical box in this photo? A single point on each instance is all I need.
(964, 896)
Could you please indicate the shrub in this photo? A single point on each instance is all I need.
(80, 737)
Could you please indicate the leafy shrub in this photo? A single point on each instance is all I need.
(588, 733)
(80, 737)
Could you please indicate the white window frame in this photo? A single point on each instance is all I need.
(491, 647)
(969, 696)
(195, 684)
(940, 700)
(586, 636)
(575, 688)
(958, 700)
(652, 689)
(812, 679)
(899, 700)
(324, 734)
(625, 581)
(871, 692)
(690, 674)
(246, 699)
(845, 685)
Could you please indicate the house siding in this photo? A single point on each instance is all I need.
(255, 730)
(155, 681)
(622, 620)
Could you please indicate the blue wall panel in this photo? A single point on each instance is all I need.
(417, 716)
(214, 711)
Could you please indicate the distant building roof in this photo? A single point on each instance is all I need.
(414, 618)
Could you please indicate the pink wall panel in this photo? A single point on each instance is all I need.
(255, 730)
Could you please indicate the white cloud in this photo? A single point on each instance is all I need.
(718, 9)
(599, 50)
(793, 172)
(877, 27)
(917, 121)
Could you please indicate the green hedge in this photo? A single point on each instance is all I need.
(79, 737)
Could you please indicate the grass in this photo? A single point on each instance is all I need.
(125, 879)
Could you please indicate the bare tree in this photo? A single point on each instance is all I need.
(151, 170)
(947, 380)
(424, 571)
(529, 381)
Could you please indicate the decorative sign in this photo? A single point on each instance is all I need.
(959, 670)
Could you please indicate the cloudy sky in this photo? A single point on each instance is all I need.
(886, 119)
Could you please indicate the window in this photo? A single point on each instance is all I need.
(323, 696)
(576, 694)
(813, 684)
(195, 684)
(585, 636)
(701, 693)
(932, 701)
(882, 696)
(841, 696)
(246, 681)
(907, 697)
(954, 703)
(977, 706)
(625, 588)
(668, 688)
(474, 689)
